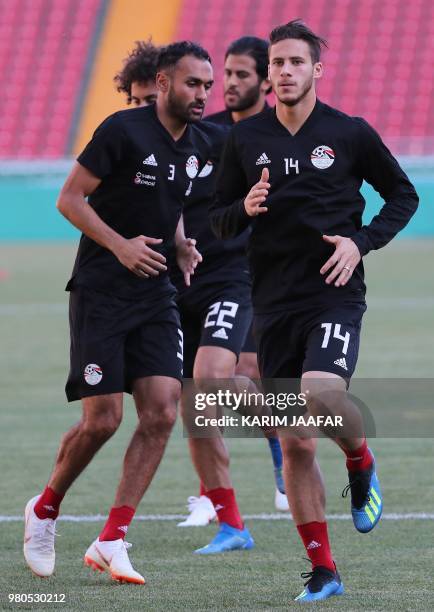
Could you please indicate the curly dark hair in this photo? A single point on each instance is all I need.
(140, 66)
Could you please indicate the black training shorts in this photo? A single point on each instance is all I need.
(114, 341)
(324, 339)
(216, 315)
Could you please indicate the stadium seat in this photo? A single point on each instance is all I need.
(370, 67)
(44, 48)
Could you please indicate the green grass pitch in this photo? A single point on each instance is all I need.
(388, 569)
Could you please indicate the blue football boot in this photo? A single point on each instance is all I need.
(366, 498)
(228, 538)
(322, 584)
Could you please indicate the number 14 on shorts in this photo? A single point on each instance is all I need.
(336, 334)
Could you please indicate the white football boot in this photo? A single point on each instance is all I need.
(111, 556)
(281, 501)
(201, 512)
(39, 537)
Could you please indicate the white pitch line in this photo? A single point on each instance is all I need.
(95, 518)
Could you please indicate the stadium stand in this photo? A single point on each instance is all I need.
(58, 58)
(44, 46)
(124, 23)
(378, 65)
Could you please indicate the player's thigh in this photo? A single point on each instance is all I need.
(332, 341)
(97, 333)
(156, 399)
(214, 363)
(102, 414)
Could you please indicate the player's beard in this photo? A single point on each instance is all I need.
(179, 110)
(249, 99)
(306, 89)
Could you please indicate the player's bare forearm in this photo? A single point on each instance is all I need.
(134, 253)
(74, 207)
(180, 231)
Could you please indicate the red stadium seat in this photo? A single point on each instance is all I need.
(376, 66)
(43, 54)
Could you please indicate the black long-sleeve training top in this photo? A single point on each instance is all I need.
(315, 178)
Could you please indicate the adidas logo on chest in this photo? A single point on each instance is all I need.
(150, 160)
(263, 159)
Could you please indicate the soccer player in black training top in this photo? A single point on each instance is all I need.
(305, 252)
(125, 329)
(137, 77)
(216, 309)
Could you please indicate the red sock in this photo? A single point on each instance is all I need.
(48, 504)
(117, 523)
(226, 507)
(202, 489)
(316, 542)
(359, 459)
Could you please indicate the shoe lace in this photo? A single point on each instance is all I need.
(315, 579)
(45, 532)
(347, 488)
(358, 495)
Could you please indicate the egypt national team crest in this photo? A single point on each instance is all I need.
(206, 170)
(192, 166)
(322, 157)
(92, 374)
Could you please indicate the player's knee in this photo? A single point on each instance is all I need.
(102, 426)
(213, 371)
(298, 449)
(162, 417)
(102, 416)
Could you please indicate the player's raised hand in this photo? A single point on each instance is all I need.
(257, 195)
(342, 262)
(139, 258)
(187, 257)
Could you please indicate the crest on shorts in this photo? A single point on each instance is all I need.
(322, 157)
(92, 374)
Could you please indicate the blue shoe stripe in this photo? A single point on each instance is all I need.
(228, 538)
(366, 518)
(330, 589)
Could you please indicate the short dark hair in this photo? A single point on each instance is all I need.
(299, 30)
(139, 67)
(256, 48)
(171, 54)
